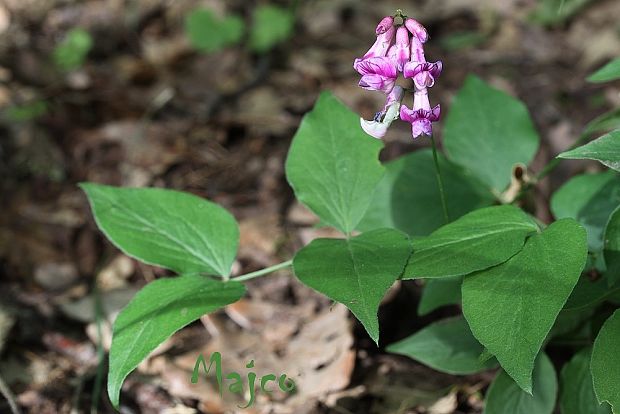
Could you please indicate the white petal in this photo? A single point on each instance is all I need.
(373, 128)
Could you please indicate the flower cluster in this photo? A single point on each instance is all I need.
(399, 48)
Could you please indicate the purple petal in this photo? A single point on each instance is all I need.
(375, 82)
(421, 127)
(416, 29)
(407, 114)
(435, 113)
(377, 66)
(384, 25)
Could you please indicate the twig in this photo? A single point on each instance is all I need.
(6, 392)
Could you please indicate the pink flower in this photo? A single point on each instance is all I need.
(417, 50)
(378, 74)
(384, 25)
(423, 73)
(381, 45)
(378, 126)
(401, 50)
(416, 29)
(421, 119)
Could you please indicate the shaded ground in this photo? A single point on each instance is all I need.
(146, 109)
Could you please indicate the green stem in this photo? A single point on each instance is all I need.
(99, 315)
(262, 272)
(440, 182)
(8, 394)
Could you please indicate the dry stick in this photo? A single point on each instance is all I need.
(440, 182)
(6, 392)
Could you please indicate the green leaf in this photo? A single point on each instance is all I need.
(438, 293)
(408, 196)
(72, 51)
(512, 307)
(587, 293)
(554, 12)
(447, 346)
(160, 309)
(605, 363)
(476, 241)
(332, 165)
(576, 389)
(606, 122)
(271, 25)
(171, 229)
(505, 397)
(355, 272)
(605, 149)
(590, 199)
(609, 72)
(572, 325)
(612, 248)
(26, 112)
(488, 132)
(209, 34)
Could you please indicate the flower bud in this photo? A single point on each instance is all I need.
(384, 25)
(416, 29)
(402, 47)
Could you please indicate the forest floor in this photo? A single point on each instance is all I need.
(146, 109)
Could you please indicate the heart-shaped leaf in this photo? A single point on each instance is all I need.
(156, 312)
(612, 248)
(605, 363)
(438, 293)
(171, 229)
(505, 397)
(356, 272)
(512, 307)
(446, 346)
(488, 132)
(476, 241)
(407, 197)
(576, 389)
(590, 199)
(332, 164)
(605, 149)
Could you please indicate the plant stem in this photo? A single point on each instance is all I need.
(440, 182)
(99, 316)
(6, 392)
(263, 272)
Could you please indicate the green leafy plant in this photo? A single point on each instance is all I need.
(554, 12)
(522, 285)
(71, 53)
(26, 112)
(209, 33)
(270, 26)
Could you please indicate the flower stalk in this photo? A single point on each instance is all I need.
(442, 194)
